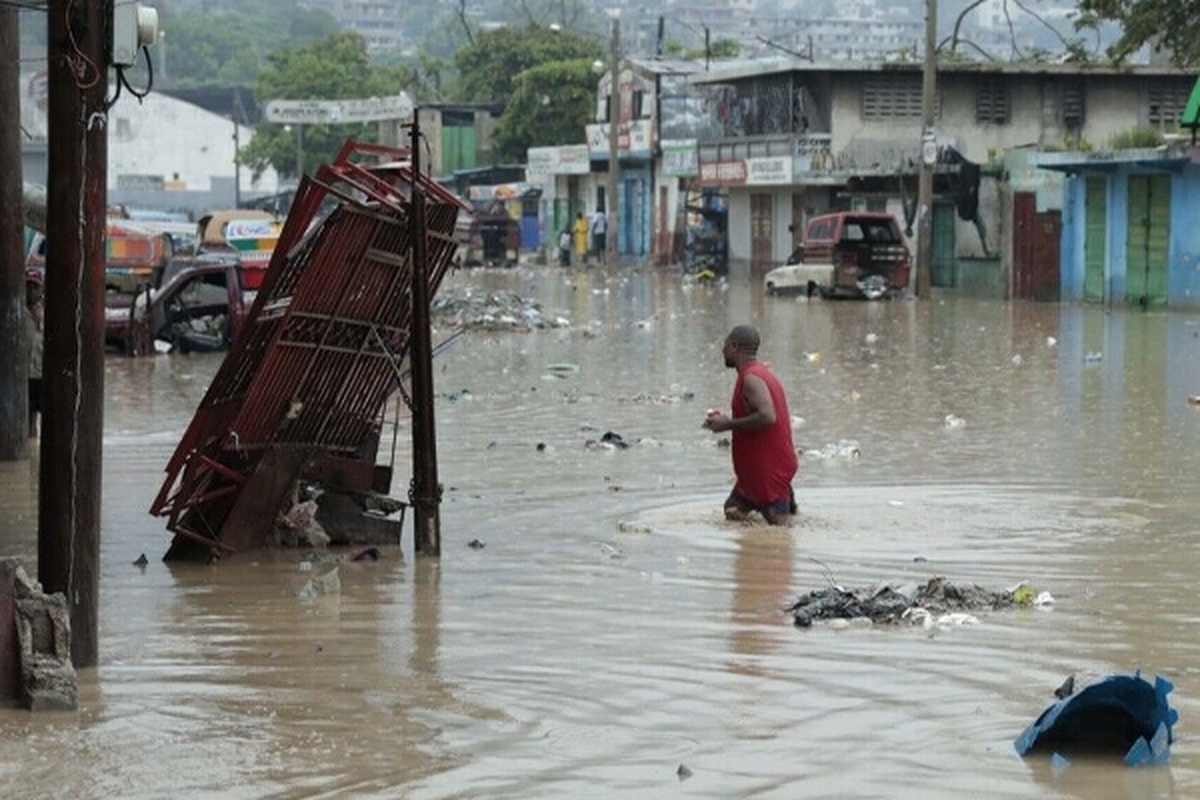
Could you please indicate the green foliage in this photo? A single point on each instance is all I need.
(488, 68)
(717, 48)
(225, 44)
(1170, 24)
(550, 105)
(1143, 136)
(333, 68)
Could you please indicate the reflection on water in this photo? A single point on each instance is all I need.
(762, 576)
(615, 626)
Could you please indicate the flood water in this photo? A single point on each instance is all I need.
(614, 627)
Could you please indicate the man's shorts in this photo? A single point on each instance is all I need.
(785, 505)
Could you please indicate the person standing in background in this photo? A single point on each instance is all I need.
(579, 230)
(600, 236)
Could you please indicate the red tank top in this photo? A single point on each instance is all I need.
(764, 460)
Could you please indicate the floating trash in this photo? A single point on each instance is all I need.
(844, 448)
(493, 311)
(1122, 716)
(936, 603)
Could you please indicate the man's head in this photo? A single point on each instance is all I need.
(741, 346)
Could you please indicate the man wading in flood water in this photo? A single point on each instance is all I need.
(764, 458)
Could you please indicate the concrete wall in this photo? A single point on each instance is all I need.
(182, 143)
(163, 153)
(1113, 104)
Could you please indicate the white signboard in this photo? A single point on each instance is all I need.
(633, 139)
(543, 163)
(769, 171)
(680, 157)
(370, 109)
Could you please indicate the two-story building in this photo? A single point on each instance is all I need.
(652, 102)
(796, 138)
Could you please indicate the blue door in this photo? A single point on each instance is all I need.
(631, 236)
(531, 234)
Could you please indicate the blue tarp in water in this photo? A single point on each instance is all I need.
(1120, 715)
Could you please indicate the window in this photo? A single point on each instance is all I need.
(891, 97)
(991, 103)
(1166, 105)
(1072, 106)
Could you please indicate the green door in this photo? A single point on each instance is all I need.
(1095, 236)
(1146, 248)
(942, 272)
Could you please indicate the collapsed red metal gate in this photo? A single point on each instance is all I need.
(305, 384)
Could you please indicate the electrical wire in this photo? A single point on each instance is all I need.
(80, 62)
(123, 81)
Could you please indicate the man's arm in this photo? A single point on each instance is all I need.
(758, 400)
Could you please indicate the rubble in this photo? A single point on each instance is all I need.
(491, 311)
(48, 678)
(937, 602)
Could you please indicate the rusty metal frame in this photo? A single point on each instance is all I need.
(315, 361)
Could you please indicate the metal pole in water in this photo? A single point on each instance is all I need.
(928, 154)
(426, 491)
(614, 157)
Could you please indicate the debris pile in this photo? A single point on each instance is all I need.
(492, 311)
(937, 602)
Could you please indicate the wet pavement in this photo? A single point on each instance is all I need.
(613, 626)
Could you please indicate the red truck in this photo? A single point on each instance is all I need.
(847, 254)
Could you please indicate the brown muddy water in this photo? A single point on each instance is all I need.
(615, 627)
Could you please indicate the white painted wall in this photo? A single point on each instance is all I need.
(183, 143)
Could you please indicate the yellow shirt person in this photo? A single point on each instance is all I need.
(580, 232)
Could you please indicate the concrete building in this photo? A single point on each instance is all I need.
(163, 153)
(651, 106)
(798, 138)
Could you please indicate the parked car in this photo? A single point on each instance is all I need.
(849, 254)
(200, 306)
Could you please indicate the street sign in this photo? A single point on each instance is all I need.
(370, 109)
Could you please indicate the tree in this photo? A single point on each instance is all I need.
(1170, 24)
(334, 68)
(488, 67)
(226, 44)
(550, 105)
(724, 47)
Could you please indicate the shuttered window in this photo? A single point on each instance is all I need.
(891, 97)
(991, 103)
(1072, 106)
(1166, 104)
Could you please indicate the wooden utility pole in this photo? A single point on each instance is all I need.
(14, 372)
(426, 491)
(928, 154)
(614, 157)
(73, 365)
